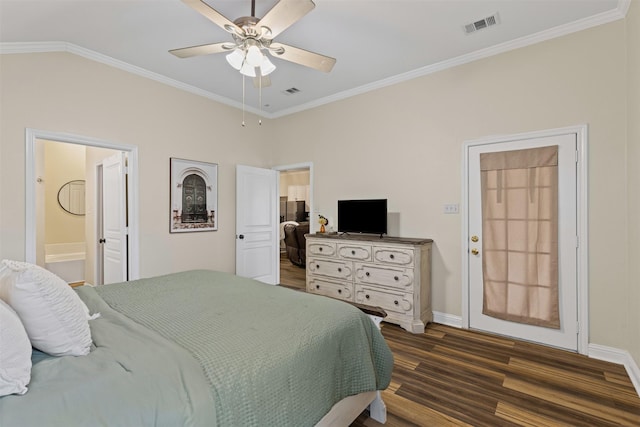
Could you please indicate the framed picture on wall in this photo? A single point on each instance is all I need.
(193, 194)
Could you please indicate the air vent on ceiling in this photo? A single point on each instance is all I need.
(291, 91)
(489, 21)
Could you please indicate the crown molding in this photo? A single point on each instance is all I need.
(593, 21)
(48, 47)
(603, 18)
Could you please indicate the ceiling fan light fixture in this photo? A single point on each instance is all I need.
(248, 69)
(236, 59)
(266, 67)
(254, 56)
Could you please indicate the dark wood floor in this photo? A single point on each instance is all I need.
(291, 275)
(453, 377)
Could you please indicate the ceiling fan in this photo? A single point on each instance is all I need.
(252, 36)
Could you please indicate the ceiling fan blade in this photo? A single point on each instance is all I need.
(284, 14)
(205, 49)
(213, 15)
(266, 81)
(302, 57)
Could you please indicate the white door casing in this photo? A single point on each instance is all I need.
(114, 217)
(257, 234)
(572, 239)
(296, 167)
(31, 136)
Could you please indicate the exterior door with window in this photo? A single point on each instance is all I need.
(522, 223)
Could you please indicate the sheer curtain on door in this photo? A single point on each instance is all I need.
(520, 235)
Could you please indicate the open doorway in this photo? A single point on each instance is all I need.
(64, 212)
(295, 195)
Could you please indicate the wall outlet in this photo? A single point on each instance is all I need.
(451, 208)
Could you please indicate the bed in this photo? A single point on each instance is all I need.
(206, 348)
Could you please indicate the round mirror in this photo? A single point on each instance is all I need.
(71, 197)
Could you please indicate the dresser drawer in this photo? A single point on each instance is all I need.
(395, 277)
(354, 252)
(319, 248)
(396, 302)
(338, 290)
(394, 256)
(330, 268)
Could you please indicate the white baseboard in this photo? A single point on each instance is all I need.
(447, 319)
(621, 357)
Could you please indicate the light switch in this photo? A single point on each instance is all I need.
(451, 208)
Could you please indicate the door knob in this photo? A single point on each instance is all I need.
(474, 238)
(474, 251)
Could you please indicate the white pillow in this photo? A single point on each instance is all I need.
(15, 353)
(54, 316)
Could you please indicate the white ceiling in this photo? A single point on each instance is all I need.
(375, 42)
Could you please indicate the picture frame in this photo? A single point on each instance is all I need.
(193, 196)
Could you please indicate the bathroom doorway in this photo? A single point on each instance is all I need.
(65, 205)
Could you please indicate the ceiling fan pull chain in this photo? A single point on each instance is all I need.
(260, 101)
(243, 100)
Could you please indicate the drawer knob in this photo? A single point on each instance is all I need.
(317, 267)
(317, 286)
(366, 296)
(367, 274)
(339, 270)
(339, 291)
(395, 278)
(391, 256)
(320, 249)
(396, 302)
(353, 252)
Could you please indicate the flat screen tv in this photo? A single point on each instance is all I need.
(362, 216)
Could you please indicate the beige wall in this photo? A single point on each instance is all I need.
(633, 189)
(62, 163)
(295, 177)
(61, 92)
(404, 143)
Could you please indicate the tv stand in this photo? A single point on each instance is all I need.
(393, 273)
(347, 235)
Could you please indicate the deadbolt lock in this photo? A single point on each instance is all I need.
(474, 238)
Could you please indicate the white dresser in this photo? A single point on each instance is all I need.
(389, 272)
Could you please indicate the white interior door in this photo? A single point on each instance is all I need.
(565, 337)
(257, 231)
(115, 256)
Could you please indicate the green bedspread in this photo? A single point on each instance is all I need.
(132, 377)
(273, 356)
(268, 356)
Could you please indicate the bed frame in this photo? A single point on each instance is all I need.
(348, 409)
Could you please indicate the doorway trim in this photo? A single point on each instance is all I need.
(582, 239)
(312, 228)
(31, 135)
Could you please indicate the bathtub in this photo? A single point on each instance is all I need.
(66, 260)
